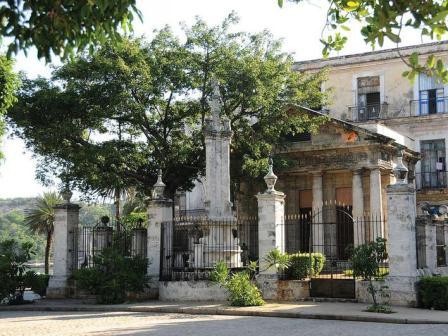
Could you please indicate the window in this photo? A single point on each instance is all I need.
(369, 98)
(431, 94)
(433, 164)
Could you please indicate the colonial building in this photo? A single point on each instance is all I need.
(369, 91)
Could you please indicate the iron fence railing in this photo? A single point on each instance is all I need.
(420, 107)
(368, 112)
(333, 232)
(191, 246)
(90, 241)
(431, 180)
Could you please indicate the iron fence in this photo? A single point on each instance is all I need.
(90, 241)
(333, 232)
(191, 246)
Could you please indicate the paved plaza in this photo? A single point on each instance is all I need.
(118, 323)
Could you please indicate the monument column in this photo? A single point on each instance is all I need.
(317, 230)
(358, 207)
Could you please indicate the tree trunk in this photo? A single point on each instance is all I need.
(117, 207)
(47, 252)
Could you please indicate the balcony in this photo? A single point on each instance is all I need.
(430, 106)
(431, 180)
(415, 108)
(368, 112)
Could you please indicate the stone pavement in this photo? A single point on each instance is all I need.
(345, 311)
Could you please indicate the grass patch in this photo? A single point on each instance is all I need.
(382, 272)
(379, 308)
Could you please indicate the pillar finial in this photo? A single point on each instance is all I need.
(270, 178)
(66, 193)
(400, 170)
(159, 186)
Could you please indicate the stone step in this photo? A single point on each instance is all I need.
(325, 299)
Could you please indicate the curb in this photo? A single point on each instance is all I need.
(230, 311)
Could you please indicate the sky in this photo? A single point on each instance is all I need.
(298, 25)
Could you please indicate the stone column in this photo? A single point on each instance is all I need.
(65, 242)
(401, 214)
(376, 202)
(271, 227)
(159, 211)
(430, 244)
(318, 233)
(358, 208)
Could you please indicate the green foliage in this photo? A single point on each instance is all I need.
(277, 259)
(366, 260)
(302, 265)
(135, 220)
(13, 256)
(242, 291)
(385, 20)
(9, 83)
(37, 282)
(40, 220)
(113, 276)
(62, 27)
(433, 292)
(113, 118)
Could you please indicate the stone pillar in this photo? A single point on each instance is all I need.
(401, 214)
(430, 246)
(159, 211)
(318, 233)
(376, 201)
(65, 242)
(358, 208)
(271, 227)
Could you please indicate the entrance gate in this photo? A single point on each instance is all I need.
(333, 232)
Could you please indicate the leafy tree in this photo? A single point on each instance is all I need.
(8, 84)
(64, 26)
(385, 20)
(113, 118)
(40, 220)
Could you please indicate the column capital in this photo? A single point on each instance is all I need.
(318, 173)
(357, 171)
(275, 195)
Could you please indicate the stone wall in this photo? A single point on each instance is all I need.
(191, 291)
(284, 290)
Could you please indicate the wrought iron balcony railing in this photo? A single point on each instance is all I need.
(431, 180)
(422, 107)
(368, 112)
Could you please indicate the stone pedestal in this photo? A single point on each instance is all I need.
(271, 228)
(159, 211)
(65, 226)
(430, 246)
(401, 214)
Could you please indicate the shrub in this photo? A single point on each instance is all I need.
(433, 292)
(242, 291)
(13, 257)
(301, 265)
(112, 276)
(366, 260)
(37, 282)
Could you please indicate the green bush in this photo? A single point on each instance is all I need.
(301, 265)
(37, 282)
(13, 256)
(242, 291)
(112, 276)
(433, 292)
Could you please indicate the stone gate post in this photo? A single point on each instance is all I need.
(271, 223)
(65, 241)
(402, 250)
(160, 210)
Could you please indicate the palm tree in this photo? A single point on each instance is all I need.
(40, 220)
